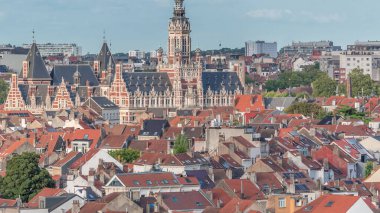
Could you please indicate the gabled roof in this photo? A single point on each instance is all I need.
(249, 102)
(7, 203)
(250, 190)
(216, 81)
(158, 179)
(36, 69)
(105, 57)
(67, 73)
(181, 201)
(45, 192)
(331, 203)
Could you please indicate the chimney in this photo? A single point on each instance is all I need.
(91, 180)
(241, 190)
(76, 206)
(253, 177)
(312, 131)
(156, 207)
(209, 195)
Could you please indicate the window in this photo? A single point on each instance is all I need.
(282, 203)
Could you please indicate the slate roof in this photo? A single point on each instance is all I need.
(41, 92)
(37, 69)
(273, 103)
(182, 201)
(105, 57)
(104, 102)
(146, 81)
(202, 177)
(154, 127)
(216, 80)
(67, 72)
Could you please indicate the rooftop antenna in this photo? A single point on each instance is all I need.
(110, 45)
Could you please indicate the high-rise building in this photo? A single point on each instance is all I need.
(136, 54)
(57, 49)
(261, 47)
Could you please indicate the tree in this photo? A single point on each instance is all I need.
(361, 84)
(293, 79)
(307, 109)
(4, 88)
(324, 86)
(181, 144)
(125, 155)
(368, 168)
(24, 177)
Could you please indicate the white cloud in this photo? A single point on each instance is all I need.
(273, 14)
(294, 16)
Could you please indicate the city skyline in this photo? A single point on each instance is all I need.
(139, 25)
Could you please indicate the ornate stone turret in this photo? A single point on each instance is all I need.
(179, 34)
(160, 52)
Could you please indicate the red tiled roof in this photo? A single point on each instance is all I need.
(7, 202)
(331, 203)
(66, 159)
(114, 142)
(45, 192)
(250, 190)
(248, 103)
(244, 142)
(86, 157)
(182, 201)
(93, 135)
(148, 179)
(231, 206)
(12, 148)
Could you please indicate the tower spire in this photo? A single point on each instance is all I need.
(34, 39)
(104, 36)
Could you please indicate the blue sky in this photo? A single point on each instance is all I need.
(142, 24)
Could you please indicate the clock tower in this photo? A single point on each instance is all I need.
(179, 35)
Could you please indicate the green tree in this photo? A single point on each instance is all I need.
(4, 88)
(181, 144)
(293, 79)
(125, 155)
(307, 109)
(368, 168)
(324, 86)
(361, 84)
(24, 177)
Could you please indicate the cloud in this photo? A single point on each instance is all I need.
(272, 14)
(294, 16)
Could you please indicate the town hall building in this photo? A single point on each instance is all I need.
(179, 83)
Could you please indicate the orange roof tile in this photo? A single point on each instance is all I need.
(248, 103)
(331, 203)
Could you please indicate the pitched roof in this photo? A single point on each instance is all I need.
(147, 82)
(159, 179)
(216, 81)
(105, 57)
(249, 102)
(67, 73)
(67, 158)
(331, 203)
(86, 157)
(231, 206)
(114, 142)
(250, 190)
(180, 201)
(7, 203)
(45, 192)
(36, 68)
